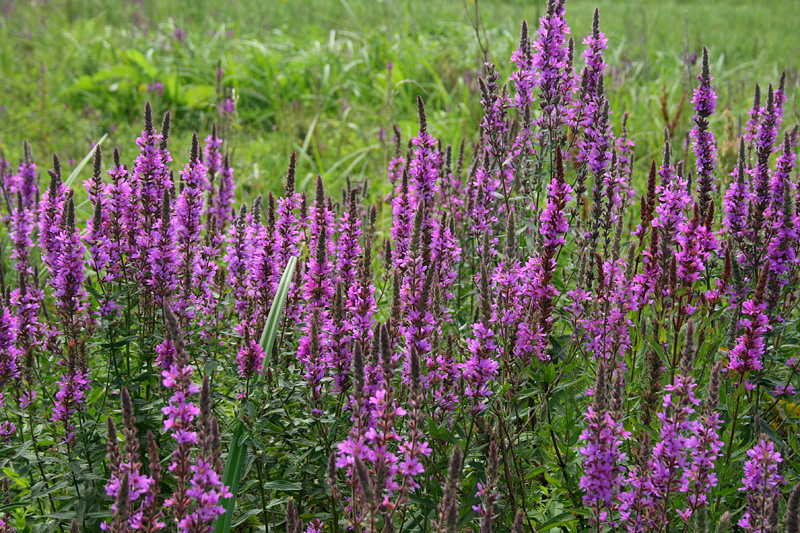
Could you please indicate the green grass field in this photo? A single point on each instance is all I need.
(313, 76)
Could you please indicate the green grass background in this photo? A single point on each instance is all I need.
(312, 75)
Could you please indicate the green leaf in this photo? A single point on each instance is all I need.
(286, 486)
(232, 476)
(556, 521)
(273, 320)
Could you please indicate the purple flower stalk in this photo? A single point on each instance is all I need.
(251, 357)
(221, 210)
(51, 208)
(348, 248)
(25, 182)
(288, 222)
(524, 81)
(402, 222)
(237, 261)
(737, 200)
(162, 260)
(180, 414)
(69, 274)
(673, 200)
(750, 346)
(553, 62)
(540, 270)
(20, 233)
(72, 389)
(603, 473)
(150, 173)
(704, 101)
(188, 226)
(762, 483)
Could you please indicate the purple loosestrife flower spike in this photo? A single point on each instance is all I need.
(602, 455)
(765, 141)
(236, 258)
(524, 80)
(553, 63)
(705, 151)
(163, 260)
(762, 483)
(25, 182)
(188, 227)
(480, 368)
(180, 415)
(737, 199)
(51, 208)
(750, 345)
(756, 114)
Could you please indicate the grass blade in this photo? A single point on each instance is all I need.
(231, 477)
(74, 174)
(273, 320)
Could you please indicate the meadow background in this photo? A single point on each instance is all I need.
(328, 78)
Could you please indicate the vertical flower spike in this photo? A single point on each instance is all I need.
(762, 484)
(397, 164)
(20, 231)
(150, 173)
(263, 272)
(287, 223)
(524, 81)
(223, 199)
(553, 62)
(69, 275)
(25, 182)
(188, 227)
(602, 455)
(593, 71)
(703, 142)
(488, 491)
(673, 198)
(402, 222)
(704, 444)
(756, 114)
(750, 346)
(423, 170)
(340, 335)
(180, 415)
(251, 356)
(764, 143)
(314, 347)
(348, 247)
(212, 158)
(236, 258)
(361, 297)
(51, 208)
(9, 353)
(163, 261)
(737, 199)
(494, 126)
(783, 225)
(540, 270)
(207, 489)
(481, 365)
